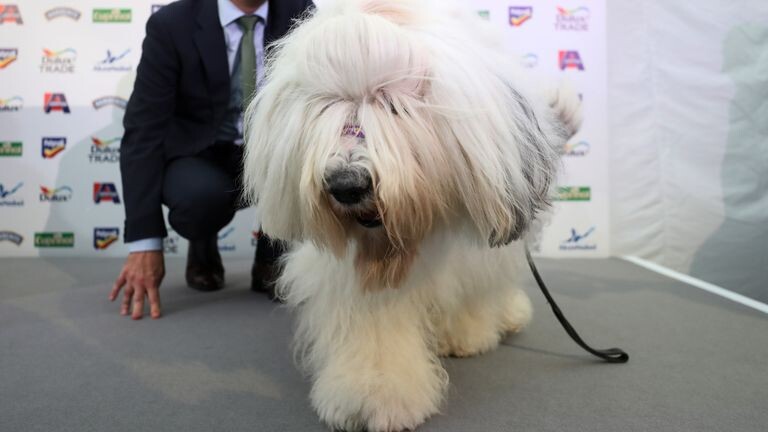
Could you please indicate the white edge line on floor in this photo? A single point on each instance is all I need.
(698, 283)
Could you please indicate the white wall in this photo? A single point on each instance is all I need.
(688, 128)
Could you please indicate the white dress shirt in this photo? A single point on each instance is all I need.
(228, 15)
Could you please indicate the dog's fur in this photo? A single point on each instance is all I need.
(461, 153)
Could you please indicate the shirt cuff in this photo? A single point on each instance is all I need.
(144, 245)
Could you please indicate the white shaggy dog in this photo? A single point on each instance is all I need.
(394, 143)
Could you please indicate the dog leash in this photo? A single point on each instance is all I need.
(610, 355)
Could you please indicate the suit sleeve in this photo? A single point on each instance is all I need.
(147, 119)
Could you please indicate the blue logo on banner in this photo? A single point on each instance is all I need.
(578, 241)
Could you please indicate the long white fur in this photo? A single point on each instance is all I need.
(465, 166)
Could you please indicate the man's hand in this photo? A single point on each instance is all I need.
(141, 275)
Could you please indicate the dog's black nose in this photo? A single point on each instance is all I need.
(349, 186)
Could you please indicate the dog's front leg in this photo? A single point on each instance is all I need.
(371, 360)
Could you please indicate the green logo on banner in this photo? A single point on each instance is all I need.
(574, 193)
(112, 15)
(10, 148)
(55, 239)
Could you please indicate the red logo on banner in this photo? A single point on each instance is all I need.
(55, 102)
(105, 192)
(570, 60)
(10, 13)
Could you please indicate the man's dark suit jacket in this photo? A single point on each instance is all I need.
(179, 99)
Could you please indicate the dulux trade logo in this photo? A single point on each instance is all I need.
(12, 104)
(62, 12)
(578, 241)
(103, 101)
(112, 63)
(10, 13)
(62, 61)
(576, 149)
(51, 146)
(8, 56)
(103, 151)
(105, 237)
(570, 60)
(11, 148)
(572, 19)
(105, 192)
(55, 102)
(12, 237)
(518, 15)
(59, 195)
(223, 234)
(6, 196)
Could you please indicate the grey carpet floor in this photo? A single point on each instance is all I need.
(221, 361)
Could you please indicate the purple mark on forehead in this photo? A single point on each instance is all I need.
(353, 130)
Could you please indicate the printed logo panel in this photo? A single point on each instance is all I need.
(62, 12)
(55, 102)
(105, 237)
(576, 19)
(12, 237)
(8, 56)
(115, 15)
(573, 193)
(10, 196)
(57, 195)
(577, 149)
(52, 146)
(579, 240)
(114, 62)
(570, 60)
(104, 101)
(10, 14)
(12, 104)
(104, 150)
(54, 239)
(105, 192)
(518, 15)
(61, 61)
(11, 148)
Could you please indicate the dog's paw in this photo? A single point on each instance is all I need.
(469, 334)
(469, 346)
(518, 311)
(368, 401)
(375, 413)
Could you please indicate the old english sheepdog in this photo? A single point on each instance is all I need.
(394, 143)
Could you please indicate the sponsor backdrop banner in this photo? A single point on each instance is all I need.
(67, 70)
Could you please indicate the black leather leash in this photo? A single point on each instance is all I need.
(611, 355)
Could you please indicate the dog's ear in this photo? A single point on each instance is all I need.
(511, 160)
(538, 157)
(540, 133)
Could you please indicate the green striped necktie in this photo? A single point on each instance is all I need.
(247, 57)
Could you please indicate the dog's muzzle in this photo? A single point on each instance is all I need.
(352, 189)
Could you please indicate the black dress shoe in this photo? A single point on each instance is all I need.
(266, 266)
(263, 279)
(205, 271)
